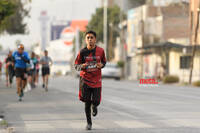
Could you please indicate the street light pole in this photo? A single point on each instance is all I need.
(43, 20)
(105, 26)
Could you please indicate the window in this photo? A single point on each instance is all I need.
(185, 62)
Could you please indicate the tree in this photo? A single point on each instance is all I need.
(1, 47)
(12, 13)
(96, 24)
(7, 8)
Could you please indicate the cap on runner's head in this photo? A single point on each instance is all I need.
(20, 46)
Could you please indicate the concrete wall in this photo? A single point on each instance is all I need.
(183, 74)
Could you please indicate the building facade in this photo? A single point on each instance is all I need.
(154, 35)
(194, 21)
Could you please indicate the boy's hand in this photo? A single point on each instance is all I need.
(99, 65)
(83, 66)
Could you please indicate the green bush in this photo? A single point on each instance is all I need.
(170, 79)
(184, 83)
(120, 64)
(197, 83)
(3, 123)
(58, 73)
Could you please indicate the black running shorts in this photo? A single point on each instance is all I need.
(45, 71)
(20, 73)
(90, 94)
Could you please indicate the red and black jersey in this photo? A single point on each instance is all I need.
(91, 75)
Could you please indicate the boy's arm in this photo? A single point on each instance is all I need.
(78, 63)
(103, 61)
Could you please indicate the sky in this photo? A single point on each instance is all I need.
(56, 9)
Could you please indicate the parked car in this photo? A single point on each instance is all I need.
(111, 70)
(60, 68)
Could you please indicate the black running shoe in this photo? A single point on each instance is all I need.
(43, 85)
(89, 127)
(94, 109)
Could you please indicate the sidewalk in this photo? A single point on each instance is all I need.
(4, 100)
(41, 112)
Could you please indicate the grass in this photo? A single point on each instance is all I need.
(184, 83)
(171, 79)
(197, 83)
(4, 123)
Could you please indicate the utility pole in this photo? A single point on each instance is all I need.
(77, 46)
(105, 26)
(122, 41)
(110, 48)
(194, 46)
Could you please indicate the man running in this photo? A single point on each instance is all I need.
(90, 61)
(21, 58)
(9, 69)
(46, 62)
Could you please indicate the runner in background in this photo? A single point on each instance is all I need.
(35, 62)
(29, 69)
(46, 62)
(9, 68)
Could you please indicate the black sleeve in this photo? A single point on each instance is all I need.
(6, 60)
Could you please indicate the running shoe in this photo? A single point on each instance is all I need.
(89, 127)
(20, 99)
(22, 93)
(94, 109)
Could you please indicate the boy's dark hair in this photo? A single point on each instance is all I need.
(91, 32)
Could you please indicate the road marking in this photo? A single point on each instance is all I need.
(82, 125)
(38, 127)
(51, 117)
(183, 123)
(133, 124)
(119, 112)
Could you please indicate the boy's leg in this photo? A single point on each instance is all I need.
(96, 98)
(88, 112)
(87, 93)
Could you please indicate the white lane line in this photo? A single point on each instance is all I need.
(82, 125)
(118, 112)
(195, 123)
(133, 124)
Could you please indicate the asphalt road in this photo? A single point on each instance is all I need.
(127, 107)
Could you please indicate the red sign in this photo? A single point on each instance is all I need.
(149, 81)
